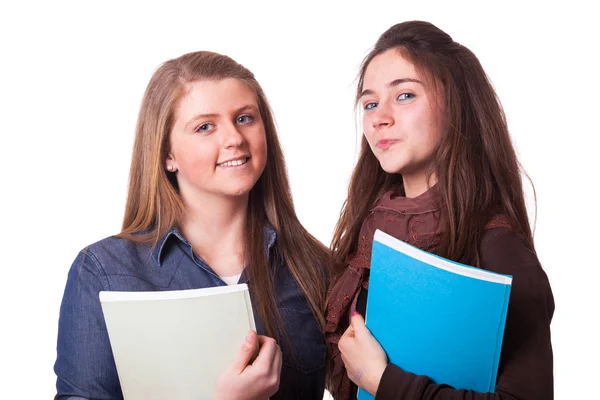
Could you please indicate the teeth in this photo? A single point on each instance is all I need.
(234, 163)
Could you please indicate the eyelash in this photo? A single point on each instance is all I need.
(366, 106)
(249, 116)
(199, 128)
(409, 94)
(237, 120)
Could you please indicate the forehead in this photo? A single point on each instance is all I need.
(215, 96)
(386, 67)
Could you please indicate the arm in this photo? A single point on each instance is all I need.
(525, 370)
(84, 365)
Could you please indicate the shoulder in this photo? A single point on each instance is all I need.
(90, 271)
(506, 252)
(504, 246)
(113, 254)
(114, 243)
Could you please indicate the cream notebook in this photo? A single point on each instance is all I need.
(174, 344)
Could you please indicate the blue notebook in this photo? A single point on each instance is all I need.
(436, 317)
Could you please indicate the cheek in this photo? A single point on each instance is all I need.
(258, 143)
(433, 137)
(192, 157)
(427, 127)
(367, 129)
(433, 141)
(261, 143)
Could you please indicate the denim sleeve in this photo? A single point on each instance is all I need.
(84, 364)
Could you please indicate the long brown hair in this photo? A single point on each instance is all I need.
(154, 205)
(475, 164)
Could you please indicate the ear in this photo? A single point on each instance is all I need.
(170, 164)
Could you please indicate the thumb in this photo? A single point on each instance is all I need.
(245, 354)
(357, 322)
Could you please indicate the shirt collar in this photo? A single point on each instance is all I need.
(174, 234)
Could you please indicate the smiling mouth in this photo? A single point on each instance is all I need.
(234, 163)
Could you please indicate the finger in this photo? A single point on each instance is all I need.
(243, 357)
(266, 351)
(357, 322)
(348, 368)
(349, 332)
(346, 345)
(278, 361)
(275, 372)
(347, 337)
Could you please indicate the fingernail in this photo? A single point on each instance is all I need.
(249, 337)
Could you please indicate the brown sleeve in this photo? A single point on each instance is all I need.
(526, 370)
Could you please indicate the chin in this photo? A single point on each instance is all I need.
(240, 189)
(233, 195)
(236, 192)
(391, 162)
(391, 168)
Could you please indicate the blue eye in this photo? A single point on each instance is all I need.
(370, 106)
(204, 128)
(406, 96)
(245, 119)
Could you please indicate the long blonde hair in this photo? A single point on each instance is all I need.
(154, 205)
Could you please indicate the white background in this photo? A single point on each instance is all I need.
(72, 78)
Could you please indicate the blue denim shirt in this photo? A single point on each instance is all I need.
(85, 366)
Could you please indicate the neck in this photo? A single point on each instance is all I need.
(415, 186)
(215, 227)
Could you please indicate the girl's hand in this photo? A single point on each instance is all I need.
(259, 380)
(363, 356)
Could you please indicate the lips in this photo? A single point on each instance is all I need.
(385, 144)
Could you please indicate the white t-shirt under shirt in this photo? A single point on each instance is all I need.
(231, 280)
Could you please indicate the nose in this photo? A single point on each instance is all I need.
(382, 117)
(231, 136)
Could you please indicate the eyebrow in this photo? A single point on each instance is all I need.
(247, 107)
(391, 84)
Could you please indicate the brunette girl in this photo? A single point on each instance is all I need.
(437, 169)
